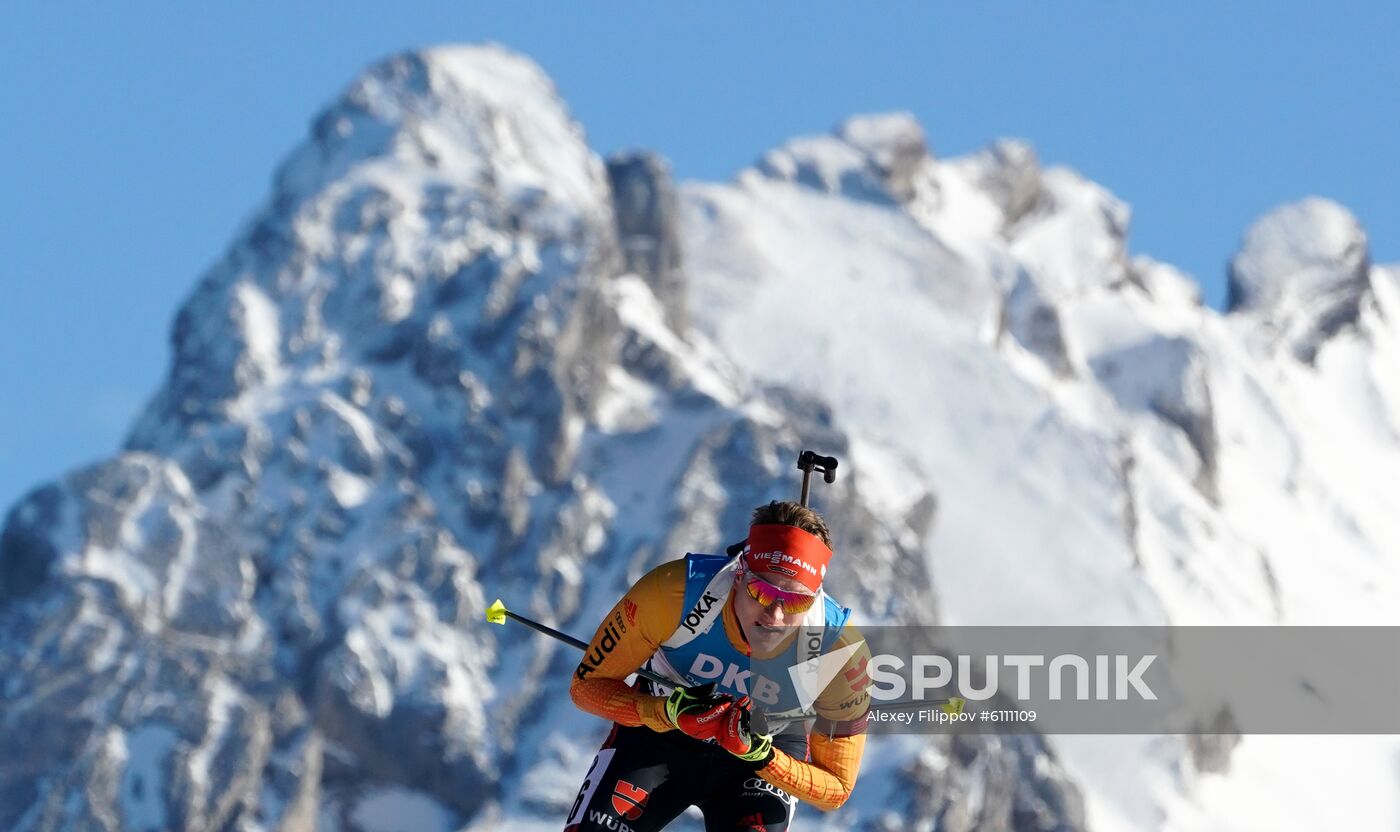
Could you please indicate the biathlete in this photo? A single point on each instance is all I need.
(699, 621)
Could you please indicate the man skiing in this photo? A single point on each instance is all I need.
(700, 620)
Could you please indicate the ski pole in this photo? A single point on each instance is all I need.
(497, 614)
(809, 461)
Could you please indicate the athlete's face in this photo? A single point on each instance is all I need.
(765, 627)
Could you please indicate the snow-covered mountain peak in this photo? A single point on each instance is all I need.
(481, 115)
(447, 198)
(885, 137)
(1301, 274)
(894, 145)
(1008, 172)
(868, 157)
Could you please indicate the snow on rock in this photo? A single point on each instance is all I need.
(1008, 173)
(823, 163)
(1144, 355)
(1301, 274)
(147, 750)
(1079, 244)
(1033, 320)
(895, 146)
(1166, 285)
(481, 115)
(875, 158)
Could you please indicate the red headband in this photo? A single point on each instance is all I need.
(777, 549)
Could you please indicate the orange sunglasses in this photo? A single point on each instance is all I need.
(792, 603)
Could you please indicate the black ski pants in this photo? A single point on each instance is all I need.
(642, 780)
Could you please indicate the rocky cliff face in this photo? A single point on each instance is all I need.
(456, 356)
(648, 230)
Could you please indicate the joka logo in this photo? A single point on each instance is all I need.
(603, 647)
(629, 800)
(697, 612)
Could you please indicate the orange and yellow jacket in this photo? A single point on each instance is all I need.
(651, 611)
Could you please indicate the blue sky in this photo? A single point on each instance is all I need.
(136, 137)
